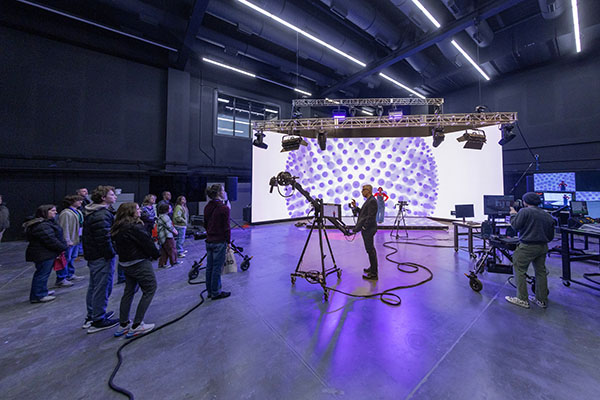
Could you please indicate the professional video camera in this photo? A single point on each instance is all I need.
(401, 203)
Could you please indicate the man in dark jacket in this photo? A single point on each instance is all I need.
(100, 254)
(218, 231)
(367, 224)
(536, 229)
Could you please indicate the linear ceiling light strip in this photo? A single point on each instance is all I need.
(576, 25)
(319, 41)
(97, 25)
(427, 13)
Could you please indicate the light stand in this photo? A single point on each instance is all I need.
(399, 219)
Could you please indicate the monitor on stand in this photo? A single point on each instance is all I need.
(464, 211)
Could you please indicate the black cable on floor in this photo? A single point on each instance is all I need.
(126, 392)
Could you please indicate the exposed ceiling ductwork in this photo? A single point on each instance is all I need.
(481, 33)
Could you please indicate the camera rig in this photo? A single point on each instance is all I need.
(284, 178)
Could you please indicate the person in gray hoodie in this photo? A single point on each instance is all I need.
(100, 254)
(70, 220)
(4, 218)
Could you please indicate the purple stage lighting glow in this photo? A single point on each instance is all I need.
(340, 115)
(396, 114)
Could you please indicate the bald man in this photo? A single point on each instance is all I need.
(367, 225)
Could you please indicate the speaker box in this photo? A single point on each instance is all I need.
(231, 183)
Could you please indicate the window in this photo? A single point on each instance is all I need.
(235, 115)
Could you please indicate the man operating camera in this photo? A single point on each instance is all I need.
(367, 225)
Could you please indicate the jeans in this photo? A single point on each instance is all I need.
(180, 238)
(380, 213)
(39, 283)
(142, 275)
(370, 248)
(120, 274)
(215, 259)
(522, 257)
(69, 270)
(167, 252)
(100, 288)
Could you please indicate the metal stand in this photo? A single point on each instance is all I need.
(236, 224)
(399, 219)
(318, 277)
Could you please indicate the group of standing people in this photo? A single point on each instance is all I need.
(128, 234)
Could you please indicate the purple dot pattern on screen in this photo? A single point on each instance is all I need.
(412, 178)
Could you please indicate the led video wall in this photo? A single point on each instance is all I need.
(432, 180)
(554, 182)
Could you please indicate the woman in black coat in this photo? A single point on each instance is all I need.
(46, 242)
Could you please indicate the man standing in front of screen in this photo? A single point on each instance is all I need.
(367, 224)
(536, 229)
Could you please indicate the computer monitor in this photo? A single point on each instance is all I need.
(497, 206)
(464, 210)
(557, 199)
(332, 210)
(578, 208)
(593, 209)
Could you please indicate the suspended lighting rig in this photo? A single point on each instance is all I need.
(368, 102)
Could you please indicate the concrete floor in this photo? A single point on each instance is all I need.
(271, 340)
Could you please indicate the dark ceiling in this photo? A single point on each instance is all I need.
(390, 36)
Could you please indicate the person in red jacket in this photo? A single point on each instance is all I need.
(381, 197)
(218, 236)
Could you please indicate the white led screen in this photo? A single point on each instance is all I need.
(431, 179)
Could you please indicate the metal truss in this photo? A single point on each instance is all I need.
(372, 102)
(451, 122)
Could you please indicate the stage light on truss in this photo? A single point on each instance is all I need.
(296, 113)
(507, 133)
(438, 135)
(258, 142)
(322, 139)
(395, 114)
(474, 140)
(353, 111)
(339, 114)
(292, 142)
(379, 111)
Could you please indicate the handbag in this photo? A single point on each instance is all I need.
(60, 262)
(230, 263)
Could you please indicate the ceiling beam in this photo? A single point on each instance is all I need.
(488, 10)
(191, 32)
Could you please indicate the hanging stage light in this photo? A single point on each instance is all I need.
(507, 133)
(339, 114)
(379, 111)
(438, 135)
(396, 114)
(258, 142)
(322, 139)
(291, 142)
(474, 140)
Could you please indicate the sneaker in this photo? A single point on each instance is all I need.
(537, 302)
(517, 301)
(181, 255)
(64, 283)
(51, 292)
(88, 321)
(140, 330)
(370, 277)
(75, 278)
(367, 270)
(221, 295)
(177, 263)
(185, 251)
(103, 324)
(121, 330)
(44, 299)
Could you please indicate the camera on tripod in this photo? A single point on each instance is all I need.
(401, 203)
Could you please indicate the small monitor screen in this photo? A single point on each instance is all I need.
(578, 208)
(464, 210)
(587, 196)
(593, 209)
(497, 205)
(557, 199)
(332, 210)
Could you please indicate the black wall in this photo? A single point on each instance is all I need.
(558, 115)
(74, 117)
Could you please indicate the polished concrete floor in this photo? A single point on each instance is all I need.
(272, 340)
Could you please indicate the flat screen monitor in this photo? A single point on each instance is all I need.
(497, 205)
(587, 196)
(593, 209)
(557, 199)
(554, 182)
(332, 210)
(578, 208)
(464, 210)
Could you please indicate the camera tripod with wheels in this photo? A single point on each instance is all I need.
(400, 219)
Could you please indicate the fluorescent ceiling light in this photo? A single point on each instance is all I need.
(332, 101)
(271, 111)
(303, 33)
(244, 111)
(427, 13)
(366, 112)
(319, 41)
(576, 25)
(240, 71)
(469, 59)
(302, 92)
(231, 130)
(401, 85)
(230, 120)
(220, 100)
